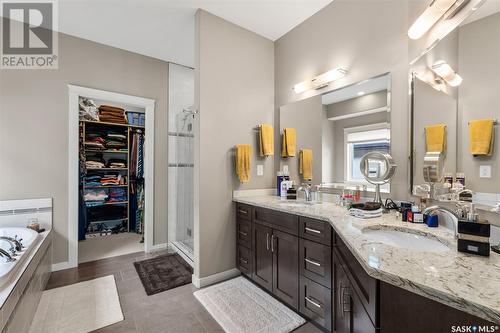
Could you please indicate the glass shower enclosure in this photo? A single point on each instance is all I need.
(181, 135)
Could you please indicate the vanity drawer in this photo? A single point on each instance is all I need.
(244, 211)
(316, 262)
(316, 230)
(244, 233)
(277, 220)
(366, 287)
(316, 302)
(244, 261)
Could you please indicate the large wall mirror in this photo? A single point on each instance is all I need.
(455, 90)
(340, 127)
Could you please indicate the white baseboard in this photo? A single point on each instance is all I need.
(212, 279)
(61, 265)
(159, 247)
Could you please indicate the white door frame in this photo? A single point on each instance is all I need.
(73, 163)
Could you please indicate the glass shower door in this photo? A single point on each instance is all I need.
(181, 161)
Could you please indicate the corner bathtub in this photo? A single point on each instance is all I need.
(29, 239)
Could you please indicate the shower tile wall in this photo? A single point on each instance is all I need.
(180, 154)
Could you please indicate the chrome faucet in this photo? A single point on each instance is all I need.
(14, 242)
(6, 255)
(307, 191)
(455, 215)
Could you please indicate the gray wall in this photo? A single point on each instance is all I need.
(306, 117)
(434, 107)
(234, 92)
(34, 124)
(348, 33)
(479, 65)
(358, 104)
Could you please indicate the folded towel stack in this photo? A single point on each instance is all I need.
(289, 142)
(435, 138)
(88, 109)
(243, 156)
(481, 137)
(365, 214)
(266, 140)
(111, 114)
(306, 164)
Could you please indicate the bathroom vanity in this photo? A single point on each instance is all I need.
(331, 268)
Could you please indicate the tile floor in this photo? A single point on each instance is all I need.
(96, 248)
(175, 310)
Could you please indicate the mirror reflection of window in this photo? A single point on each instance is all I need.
(360, 141)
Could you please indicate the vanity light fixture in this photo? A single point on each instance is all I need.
(361, 93)
(321, 80)
(429, 17)
(443, 70)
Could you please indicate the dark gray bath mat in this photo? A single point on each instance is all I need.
(163, 273)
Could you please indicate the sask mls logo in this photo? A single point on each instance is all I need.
(28, 37)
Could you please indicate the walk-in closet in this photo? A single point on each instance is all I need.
(111, 179)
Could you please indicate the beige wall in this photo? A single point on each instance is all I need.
(479, 65)
(34, 124)
(347, 33)
(234, 94)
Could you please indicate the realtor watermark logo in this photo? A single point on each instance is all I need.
(29, 38)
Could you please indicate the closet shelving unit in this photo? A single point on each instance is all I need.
(84, 125)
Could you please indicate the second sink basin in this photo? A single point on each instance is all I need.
(407, 240)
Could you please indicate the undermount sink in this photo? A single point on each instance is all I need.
(407, 240)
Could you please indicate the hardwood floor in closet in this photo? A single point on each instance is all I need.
(175, 310)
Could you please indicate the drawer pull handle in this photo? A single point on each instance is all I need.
(316, 231)
(241, 211)
(242, 233)
(312, 262)
(315, 303)
(244, 261)
(267, 241)
(272, 243)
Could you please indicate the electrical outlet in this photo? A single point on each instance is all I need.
(260, 170)
(485, 171)
(285, 169)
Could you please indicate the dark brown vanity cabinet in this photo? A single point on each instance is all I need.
(276, 266)
(244, 250)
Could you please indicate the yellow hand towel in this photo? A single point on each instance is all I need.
(481, 137)
(306, 164)
(243, 155)
(289, 142)
(435, 138)
(266, 140)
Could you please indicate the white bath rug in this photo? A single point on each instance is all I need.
(81, 307)
(239, 306)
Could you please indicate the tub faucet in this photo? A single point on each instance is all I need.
(6, 255)
(16, 244)
(307, 191)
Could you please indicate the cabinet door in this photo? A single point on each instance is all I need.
(360, 320)
(342, 307)
(285, 248)
(263, 256)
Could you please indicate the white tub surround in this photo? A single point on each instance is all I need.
(466, 282)
(22, 281)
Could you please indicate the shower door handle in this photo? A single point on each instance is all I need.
(267, 241)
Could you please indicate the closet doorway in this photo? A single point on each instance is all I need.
(111, 193)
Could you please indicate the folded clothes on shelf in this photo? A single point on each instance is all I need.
(88, 109)
(112, 180)
(117, 163)
(117, 195)
(95, 195)
(112, 114)
(94, 165)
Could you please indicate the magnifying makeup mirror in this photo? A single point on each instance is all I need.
(377, 168)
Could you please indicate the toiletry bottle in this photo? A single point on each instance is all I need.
(461, 178)
(318, 194)
(357, 196)
(448, 179)
(279, 180)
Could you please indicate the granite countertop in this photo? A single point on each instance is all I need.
(466, 282)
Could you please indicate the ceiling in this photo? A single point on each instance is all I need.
(164, 29)
(358, 89)
(489, 7)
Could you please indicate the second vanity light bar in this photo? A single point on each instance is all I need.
(321, 80)
(430, 16)
(443, 70)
